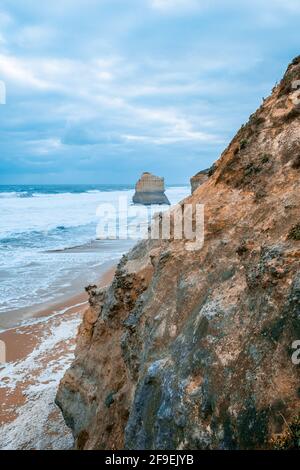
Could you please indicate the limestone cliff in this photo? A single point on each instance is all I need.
(193, 349)
(150, 189)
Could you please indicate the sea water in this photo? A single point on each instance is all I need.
(47, 240)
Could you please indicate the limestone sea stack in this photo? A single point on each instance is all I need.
(150, 189)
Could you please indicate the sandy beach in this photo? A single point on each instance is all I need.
(67, 297)
(37, 355)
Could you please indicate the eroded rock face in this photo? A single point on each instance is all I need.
(150, 189)
(199, 179)
(193, 350)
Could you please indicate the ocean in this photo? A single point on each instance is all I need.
(48, 248)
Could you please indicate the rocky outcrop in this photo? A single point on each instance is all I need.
(150, 189)
(193, 349)
(198, 179)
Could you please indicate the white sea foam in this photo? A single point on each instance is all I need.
(34, 428)
(32, 228)
(29, 274)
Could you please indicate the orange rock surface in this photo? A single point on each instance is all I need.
(193, 349)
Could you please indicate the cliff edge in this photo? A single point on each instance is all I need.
(193, 349)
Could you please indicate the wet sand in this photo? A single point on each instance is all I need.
(37, 355)
(14, 318)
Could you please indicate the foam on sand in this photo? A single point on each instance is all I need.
(38, 424)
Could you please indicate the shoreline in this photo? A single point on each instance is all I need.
(76, 304)
(38, 353)
(23, 316)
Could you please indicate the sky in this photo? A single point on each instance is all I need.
(98, 91)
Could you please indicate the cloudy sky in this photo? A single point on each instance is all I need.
(100, 90)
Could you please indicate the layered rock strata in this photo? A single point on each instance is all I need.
(150, 189)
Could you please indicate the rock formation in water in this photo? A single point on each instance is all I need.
(193, 349)
(150, 189)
